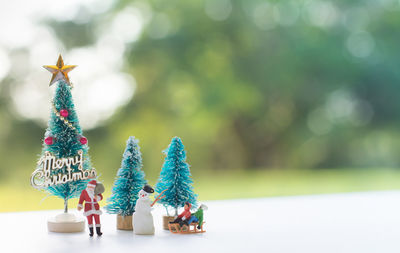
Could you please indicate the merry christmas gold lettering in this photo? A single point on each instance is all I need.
(43, 177)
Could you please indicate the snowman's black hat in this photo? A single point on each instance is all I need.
(147, 188)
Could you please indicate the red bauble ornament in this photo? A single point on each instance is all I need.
(83, 140)
(64, 113)
(49, 140)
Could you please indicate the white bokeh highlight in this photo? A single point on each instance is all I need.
(5, 64)
(100, 87)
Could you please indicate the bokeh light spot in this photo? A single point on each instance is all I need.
(159, 26)
(263, 16)
(286, 12)
(321, 13)
(218, 10)
(360, 44)
(4, 64)
(128, 24)
(318, 122)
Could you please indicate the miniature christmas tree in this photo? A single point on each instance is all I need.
(130, 180)
(64, 168)
(175, 177)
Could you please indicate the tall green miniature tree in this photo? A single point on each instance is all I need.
(175, 177)
(130, 180)
(63, 138)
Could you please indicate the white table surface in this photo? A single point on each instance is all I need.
(354, 222)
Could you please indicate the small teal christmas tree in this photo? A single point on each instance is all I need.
(130, 180)
(175, 178)
(65, 150)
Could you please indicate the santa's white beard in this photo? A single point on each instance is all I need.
(90, 192)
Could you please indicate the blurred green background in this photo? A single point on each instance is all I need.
(270, 98)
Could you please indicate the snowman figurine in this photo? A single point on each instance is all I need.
(142, 217)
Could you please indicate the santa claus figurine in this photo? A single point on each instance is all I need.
(92, 207)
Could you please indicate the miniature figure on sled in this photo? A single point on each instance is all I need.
(188, 223)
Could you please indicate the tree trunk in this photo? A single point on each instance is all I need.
(65, 205)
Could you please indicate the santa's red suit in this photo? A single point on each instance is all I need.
(92, 207)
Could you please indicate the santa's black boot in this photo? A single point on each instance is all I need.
(91, 231)
(99, 233)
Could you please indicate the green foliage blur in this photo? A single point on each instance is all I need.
(247, 85)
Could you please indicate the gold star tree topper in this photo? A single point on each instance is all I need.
(59, 71)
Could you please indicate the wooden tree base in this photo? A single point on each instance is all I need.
(124, 222)
(166, 220)
(66, 223)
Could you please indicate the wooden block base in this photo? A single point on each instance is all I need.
(166, 220)
(124, 222)
(66, 223)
